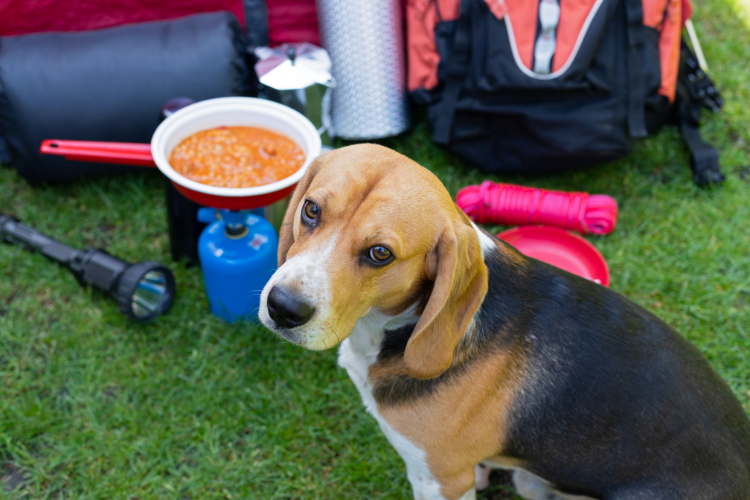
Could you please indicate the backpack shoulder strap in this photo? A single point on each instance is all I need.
(704, 159)
(636, 85)
(694, 91)
(457, 70)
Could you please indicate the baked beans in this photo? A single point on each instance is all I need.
(237, 157)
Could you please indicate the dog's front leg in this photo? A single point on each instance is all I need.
(432, 489)
(469, 495)
(532, 487)
(428, 487)
(448, 485)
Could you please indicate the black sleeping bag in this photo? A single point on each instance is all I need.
(109, 85)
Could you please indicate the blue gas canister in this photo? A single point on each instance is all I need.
(237, 252)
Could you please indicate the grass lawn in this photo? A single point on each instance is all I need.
(94, 406)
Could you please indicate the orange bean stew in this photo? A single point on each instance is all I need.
(237, 157)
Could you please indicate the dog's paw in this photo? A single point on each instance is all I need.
(532, 487)
(481, 476)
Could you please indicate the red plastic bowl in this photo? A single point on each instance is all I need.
(560, 248)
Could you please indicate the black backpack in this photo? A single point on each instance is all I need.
(549, 85)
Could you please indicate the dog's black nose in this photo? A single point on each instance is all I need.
(286, 309)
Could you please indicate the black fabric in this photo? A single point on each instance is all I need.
(704, 159)
(4, 150)
(457, 66)
(492, 112)
(636, 84)
(695, 91)
(489, 111)
(109, 85)
(256, 18)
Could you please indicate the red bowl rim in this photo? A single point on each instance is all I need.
(556, 233)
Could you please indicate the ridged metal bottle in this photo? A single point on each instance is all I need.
(365, 40)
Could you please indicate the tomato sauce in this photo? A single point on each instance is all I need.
(237, 157)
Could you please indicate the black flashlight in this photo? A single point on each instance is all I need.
(143, 290)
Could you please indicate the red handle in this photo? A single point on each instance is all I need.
(125, 153)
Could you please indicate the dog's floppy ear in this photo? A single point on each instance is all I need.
(460, 284)
(286, 233)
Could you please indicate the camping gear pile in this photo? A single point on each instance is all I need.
(108, 85)
(543, 216)
(237, 252)
(511, 86)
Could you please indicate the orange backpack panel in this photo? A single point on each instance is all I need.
(666, 16)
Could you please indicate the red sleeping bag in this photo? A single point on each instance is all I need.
(37, 16)
(288, 20)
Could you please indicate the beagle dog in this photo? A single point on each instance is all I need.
(470, 355)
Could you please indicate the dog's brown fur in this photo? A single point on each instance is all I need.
(436, 248)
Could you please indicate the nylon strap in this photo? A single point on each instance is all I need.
(4, 150)
(457, 67)
(704, 159)
(695, 90)
(636, 84)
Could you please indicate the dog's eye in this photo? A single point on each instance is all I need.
(380, 254)
(310, 212)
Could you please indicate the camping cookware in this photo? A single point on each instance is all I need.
(298, 75)
(238, 256)
(225, 111)
(237, 250)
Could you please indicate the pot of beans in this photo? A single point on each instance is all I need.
(233, 153)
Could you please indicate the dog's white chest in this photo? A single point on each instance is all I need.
(356, 354)
(359, 351)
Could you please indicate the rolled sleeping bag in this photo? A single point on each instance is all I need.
(366, 43)
(109, 85)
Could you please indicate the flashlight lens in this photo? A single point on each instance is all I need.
(149, 293)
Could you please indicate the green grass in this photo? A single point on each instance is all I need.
(94, 406)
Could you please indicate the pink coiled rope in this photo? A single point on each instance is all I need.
(511, 205)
